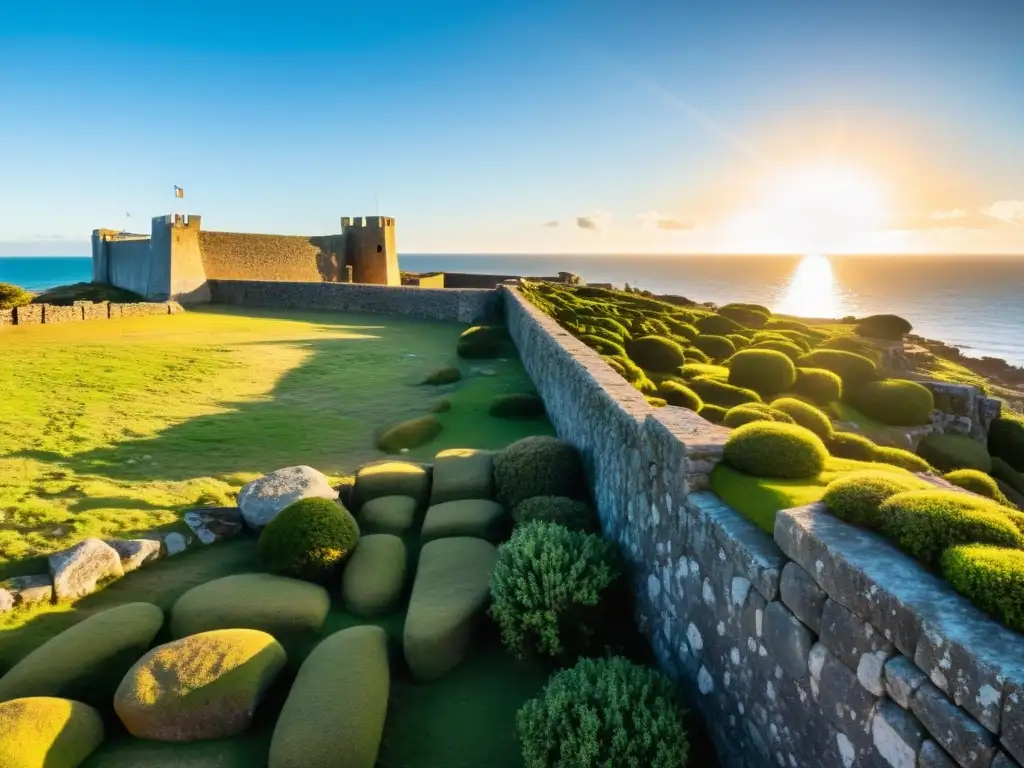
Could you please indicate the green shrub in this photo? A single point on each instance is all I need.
(990, 577)
(12, 296)
(855, 370)
(802, 340)
(538, 466)
(850, 445)
(819, 385)
(763, 370)
(483, 341)
(790, 349)
(806, 416)
(604, 712)
(748, 412)
(609, 324)
(680, 328)
(692, 370)
(744, 315)
(680, 395)
(926, 523)
(517, 406)
(1006, 440)
(694, 355)
(410, 434)
(308, 539)
(856, 497)
(713, 413)
(655, 402)
(898, 402)
(447, 375)
(1002, 470)
(722, 393)
(715, 347)
(770, 449)
(979, 483)
(949, 452)
(549, 589)
(655, 353)
(883, 327)
(574, 514)
(778, 324)
(717, 325)
(602, 345)
(901, 458)
(738, 341)
(626, 368)
(852, 344)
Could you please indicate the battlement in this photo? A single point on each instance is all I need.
(367, 222)
(180, 220)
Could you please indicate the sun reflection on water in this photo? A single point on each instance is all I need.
(812, 290)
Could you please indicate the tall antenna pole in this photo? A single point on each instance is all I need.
(376, 204)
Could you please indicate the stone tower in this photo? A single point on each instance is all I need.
(370, 249)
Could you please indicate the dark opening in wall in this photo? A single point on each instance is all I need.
(380, 248)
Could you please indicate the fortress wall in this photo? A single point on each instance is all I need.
(136, 265)
(290, 258)
(821, 646)
(473, 280)
(434, 304)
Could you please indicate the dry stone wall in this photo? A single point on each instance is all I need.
(821, 646)
(39, 314)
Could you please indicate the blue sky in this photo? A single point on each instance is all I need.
(522, 127)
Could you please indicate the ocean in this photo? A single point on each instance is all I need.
(973, 302)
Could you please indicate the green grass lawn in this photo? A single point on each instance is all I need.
(111, 429)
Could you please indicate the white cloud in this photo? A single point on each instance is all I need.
(656, 220)
(553, 223)
(953, 213)
(1010, 211)
(596, 220)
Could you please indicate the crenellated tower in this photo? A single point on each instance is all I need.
(370, 249)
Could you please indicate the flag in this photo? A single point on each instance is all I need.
(179, 192)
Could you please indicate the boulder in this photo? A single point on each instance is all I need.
(205, 686)
(392, 478)
(175, 543)
(274, 604)
(262, 499)
(375, 576)
(6, 600)
(388, 514)
(462, 473)
(212, 524)
(45, 732)
(76, 571)
(135, 552)
(334, 714)
(469, 517)
(410, 434)
(451, 589)
(28, 590)
(87, 660)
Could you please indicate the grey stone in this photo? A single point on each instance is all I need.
(1012, 727)
(752, 616)
(897, 735)
(262, 499)
(135, 552)
(844, 701)
(934, 756)
(1002, 761)
(6, 600)
(968, 742)
(852, 639)
(802, 595)
(175, 543)
(28, 590)
(902, 679)
(787, 639)
(78, 570)
(212, 524)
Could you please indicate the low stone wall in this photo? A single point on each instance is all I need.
(39, 314)
(464, 306)
(823, 646)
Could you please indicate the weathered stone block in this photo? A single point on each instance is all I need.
(212, 524)
(968, 742)
(115, 310)
(28, 590)
(175, 543)
(94, 311)
(934, 756)
(1002, 761)
(1012, 726)
(787, 639)
(30, 314)
(902, 679)
(897, 735)
(135, 552)
(6, 317)
(55, 314)
(802, 595)
(844, 701)
(752, 617)
(78, 570)
(856, 644)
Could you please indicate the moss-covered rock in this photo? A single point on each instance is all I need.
(713, 413)
(765, 371)
(850, 445)
(334, 715)
(85, 662)
(374, 578)
(451, 589)
(790, 349)
(410, 434)
(949, 452)
(462, 473)
(448, 374)
(274, 604)
(895, 401)
(680, 395)
(388, 514)
(716, 392)
(770, 449)
(818, 385)
(538, 466)
(483, 342)
(718, 325)
(991, 577)
(748, 412)
(204, 686)
(716, 347)
(308, 540)
(656, 353)
(1006, 440)
(603, 345)
(857, 496)
(518, 405)
(392, 478)
(482, 518)
(855, 370)
(806, 416)
(977, 482)
(47, 732)
(901, 458)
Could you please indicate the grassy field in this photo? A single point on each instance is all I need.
(110, 429)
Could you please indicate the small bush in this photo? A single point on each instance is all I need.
(655, 402)
(850, 445)
(717, 325)
(790, 349)
(694, 355)
(655, 353)
(897, 402)
(308, 540)
(680, 395)
(763, 370)
(517, 406)
(722, 393)
(744, 414)
(777, 324)
(764, 449)
(819, 385)
(856, 497)
(483, 341)
(537, 466)
(602, 345)
(926, 523)
(979, 483)
(626, 368)
(990, 577)
(883, 327)
(604, 712)
(901, 458)
(715, 347)
(806, 416)
(410, 434)
(738, 341)
(574, 514)
(713, 413)
(609, 324)
(744, 315)
(681, 328)
(692, 370)
(1006, 440)
(802, 340)
(549, 587)
(447, 375)
(949, 452)
(12, 296)
(855, 370)
(852, 344)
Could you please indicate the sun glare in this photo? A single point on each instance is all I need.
(812, 291)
